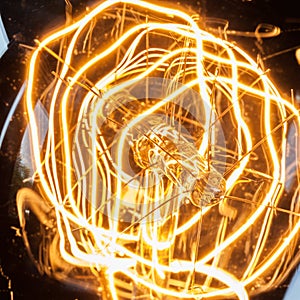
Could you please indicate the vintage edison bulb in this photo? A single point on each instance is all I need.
(161, 159)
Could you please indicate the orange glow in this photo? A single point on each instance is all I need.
(166, 157)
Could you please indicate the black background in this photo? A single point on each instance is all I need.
(26, 20)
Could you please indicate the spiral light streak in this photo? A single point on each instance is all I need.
(170, 162)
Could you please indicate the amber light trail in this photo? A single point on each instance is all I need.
(170, 166)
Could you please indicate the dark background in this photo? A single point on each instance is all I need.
(26, 20)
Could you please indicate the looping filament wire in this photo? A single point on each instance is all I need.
(150, 123)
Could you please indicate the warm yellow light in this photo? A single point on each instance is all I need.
(156, 135)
